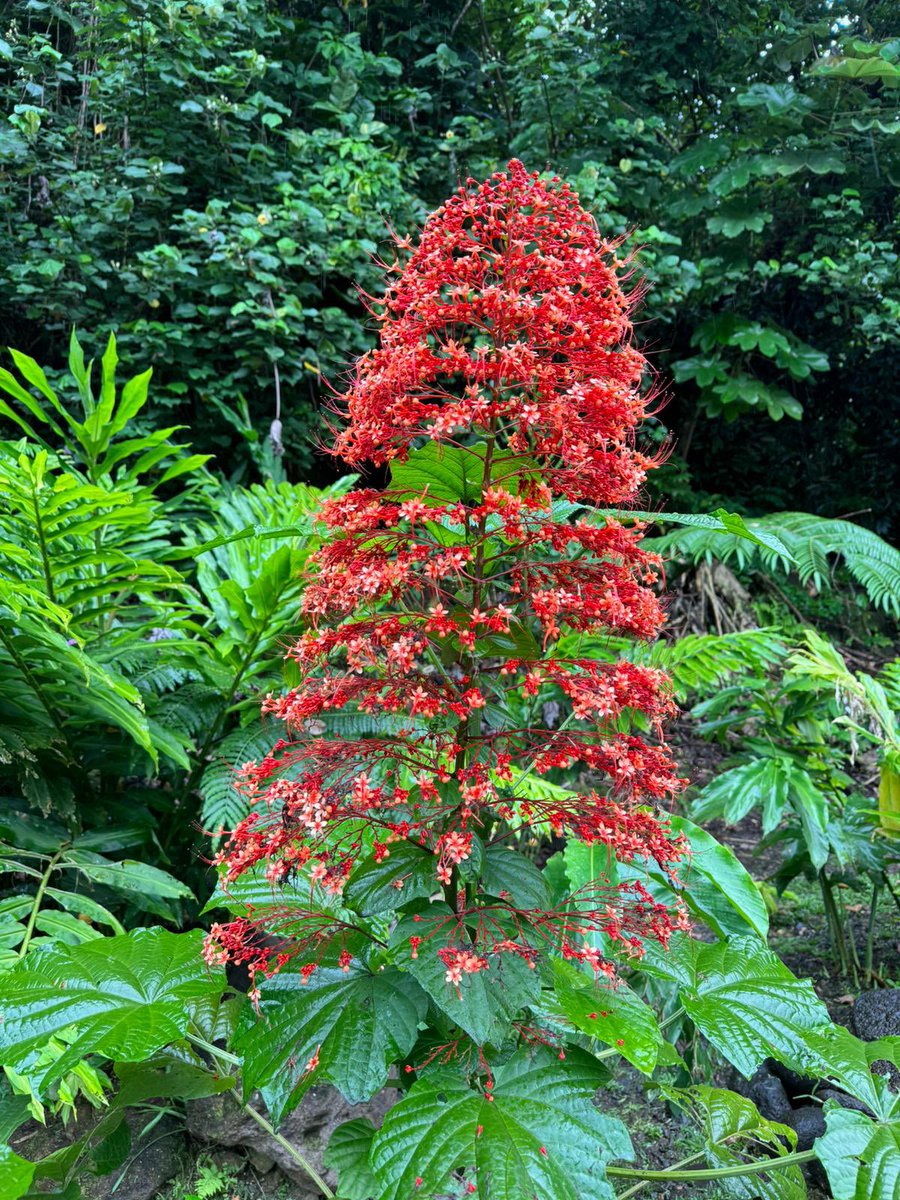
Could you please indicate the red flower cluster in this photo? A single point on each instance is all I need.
(435, 624)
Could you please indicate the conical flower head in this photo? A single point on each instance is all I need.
(509, 314)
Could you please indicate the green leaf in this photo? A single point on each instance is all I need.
(359, 1021)
(371, 888)
(540, 1136)
(127, 875)
(613, 1015)
(717, 886)
(833, 1053)
(508, 871)
(348, 1154)
(861, 1157)
(451, 473)
(720, 521)
(733, 1132)
(486, 1002)
(15, 1174)
(167, 1077)
(748, 1004)
(122, 997)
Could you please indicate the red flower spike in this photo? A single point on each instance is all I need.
(506, 335)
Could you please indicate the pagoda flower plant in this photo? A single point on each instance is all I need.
(387, 899)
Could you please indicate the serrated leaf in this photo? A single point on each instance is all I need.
(508, 871)
(613, 1015)
(360, 1022)
(833, 1053)
(748, 1004)
(122, 997)
(733, 1131)
(540, 1136)
(450, 473)
(348, 1154)
(485, 1002)
(861, 1157)
(371, 888)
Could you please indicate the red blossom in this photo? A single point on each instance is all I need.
(505, 336)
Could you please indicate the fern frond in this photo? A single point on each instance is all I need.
(816, 544)
(700, 663)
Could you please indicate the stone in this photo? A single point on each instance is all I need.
(796, 1086)
(808, 1122)
(768, 1094)
(220, 1121)
(845, 1101)
(876, 1014)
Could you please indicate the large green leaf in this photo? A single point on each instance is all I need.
(122, 997)
(372, 887)
(861, 1157)
(748, 1004)
(613, 1015)
(486, 1002)
(717, 887)
(127, 875)
(359, 1021)
(539, 1138)
(507, 873)
(451, 473)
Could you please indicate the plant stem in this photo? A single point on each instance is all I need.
(870, 935)
(224, 1055)
(639, 1187)
(305, 1165)
(38, 898)
(295, 1154)
(674, 1173)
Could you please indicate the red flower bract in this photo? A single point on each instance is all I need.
(447, 615)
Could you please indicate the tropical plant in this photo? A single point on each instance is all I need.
(799, 729)
(382, 900)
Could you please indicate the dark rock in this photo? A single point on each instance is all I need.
(845, 1101)
(877, 1014)
(220, 1121)
(796, 1086)
(808, 1123)
(881, 1066)
(767, 1093)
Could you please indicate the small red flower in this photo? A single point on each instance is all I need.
(505, 337)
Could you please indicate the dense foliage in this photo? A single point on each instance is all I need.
(210, 181)
(449, 862)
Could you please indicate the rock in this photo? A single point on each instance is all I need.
(220, 1121)
(767, 1093)
(808, 1122)
(845, 1101)
(795, 1085)
(877, 1014)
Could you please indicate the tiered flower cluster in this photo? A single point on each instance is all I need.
(435, 610)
